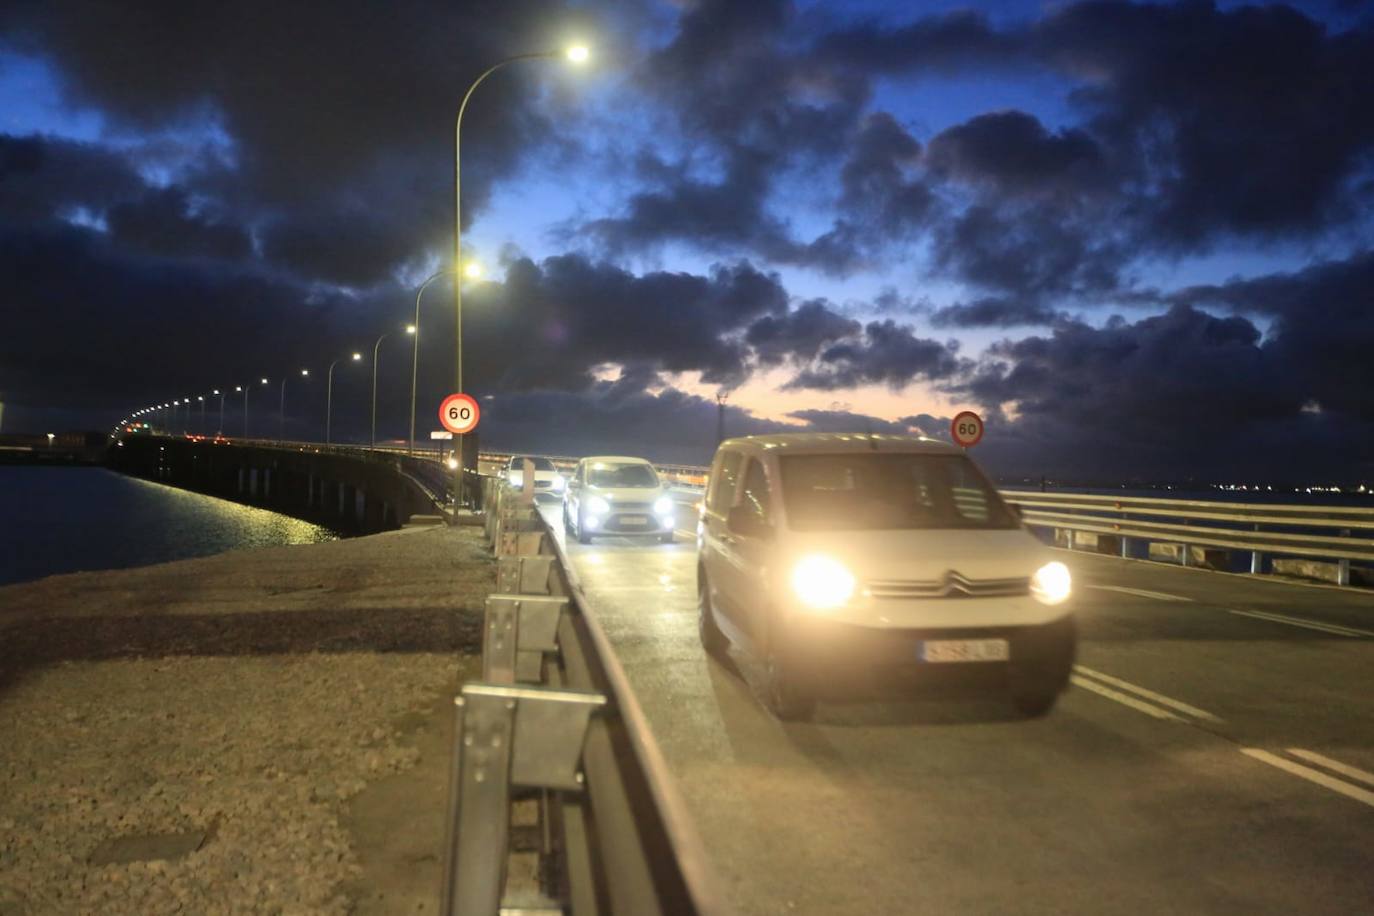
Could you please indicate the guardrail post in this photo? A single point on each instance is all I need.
(519, 630)
(1256, 559)
(504, 736)
(1343, 564)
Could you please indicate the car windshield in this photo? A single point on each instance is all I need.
(864, 491)
(540, 464)
(621, 475)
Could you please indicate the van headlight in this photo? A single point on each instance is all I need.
(663, 505)
(598, 506)
(1051, 583)
(822, 582)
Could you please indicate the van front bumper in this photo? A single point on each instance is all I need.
(826, 653)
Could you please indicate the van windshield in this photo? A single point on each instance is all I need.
(621, 475)
(864, 491)
(540, 464)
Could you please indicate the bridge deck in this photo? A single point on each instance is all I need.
(1136, 794)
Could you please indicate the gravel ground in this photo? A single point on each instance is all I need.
(187, 737)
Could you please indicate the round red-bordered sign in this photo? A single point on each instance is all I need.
(459, 414)
(966, 428)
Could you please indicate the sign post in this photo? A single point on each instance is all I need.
(966, 428)
(458, 414)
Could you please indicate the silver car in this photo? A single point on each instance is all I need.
(613, 494)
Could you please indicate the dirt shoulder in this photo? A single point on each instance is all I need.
(191, 737)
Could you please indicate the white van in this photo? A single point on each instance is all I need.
(827, 556)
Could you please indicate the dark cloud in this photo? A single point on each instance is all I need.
(336, 113)
(1012, 154)
(887, 353)
(163, 222)
(1180, 395)
(799, 334)
(993, 312)
(881, 187)
(43, 177)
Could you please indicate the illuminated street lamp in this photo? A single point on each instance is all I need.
(410, 329)
(329, 397)
(281, 415)
(415, 351)
(578, 54)
(201, 398)
(220, 431)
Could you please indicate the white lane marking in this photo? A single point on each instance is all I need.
(1159, 698)
(1334, 766)
(1140, 592)
(1311, 775)
(1123, 699)
(1333, 628)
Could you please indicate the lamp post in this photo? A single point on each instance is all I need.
(578, 55)
(220, 431)
(281, 414)
(410, 329)
(201, 398)
(329, 397)
(245, 407)
(415, 353)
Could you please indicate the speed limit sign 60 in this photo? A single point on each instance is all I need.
(966, 428)
(459, 414)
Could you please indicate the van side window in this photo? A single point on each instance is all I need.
(723, 482)
(755, 495)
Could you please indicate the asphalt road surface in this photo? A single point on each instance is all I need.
(1215, 755)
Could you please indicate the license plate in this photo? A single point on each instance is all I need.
(965, 650)
(634, 519)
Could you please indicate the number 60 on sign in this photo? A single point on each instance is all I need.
(459, 414)
(966, 428)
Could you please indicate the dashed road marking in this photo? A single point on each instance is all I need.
(1140, 592)
(1311, 775)
(1124, 699)
(1334, 766)
(1151, 695)
(1321, 627)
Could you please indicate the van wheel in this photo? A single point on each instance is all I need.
(582, 536)
(785, 697)
(712, 639)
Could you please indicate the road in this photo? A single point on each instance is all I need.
(1216, 755)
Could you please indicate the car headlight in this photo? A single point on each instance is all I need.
(663, 505)
(558, 482)
(1052, 583)
(822, 582)
(598, 506)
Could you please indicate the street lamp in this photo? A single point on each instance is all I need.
(220, 431)
(281, 416)
(415, 351)
(410, 329)
(329, 397)
(201, 398)
(577, 54)
(245, 406)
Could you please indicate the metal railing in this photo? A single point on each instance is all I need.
(1260, 529)
(553, 717)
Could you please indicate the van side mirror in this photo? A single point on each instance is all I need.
(744, 522)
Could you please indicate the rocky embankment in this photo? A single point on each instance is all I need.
(256, 732)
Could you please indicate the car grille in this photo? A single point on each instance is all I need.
(950, 585)
(631, 507)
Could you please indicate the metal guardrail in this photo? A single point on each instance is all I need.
(1261, 529)
(554, 717)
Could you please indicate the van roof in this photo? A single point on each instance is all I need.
(830, 443)
(616, 459)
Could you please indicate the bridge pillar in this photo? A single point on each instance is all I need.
(238, 488)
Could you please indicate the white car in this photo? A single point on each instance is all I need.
(828, 557)
(546, 476)
(611, 494)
